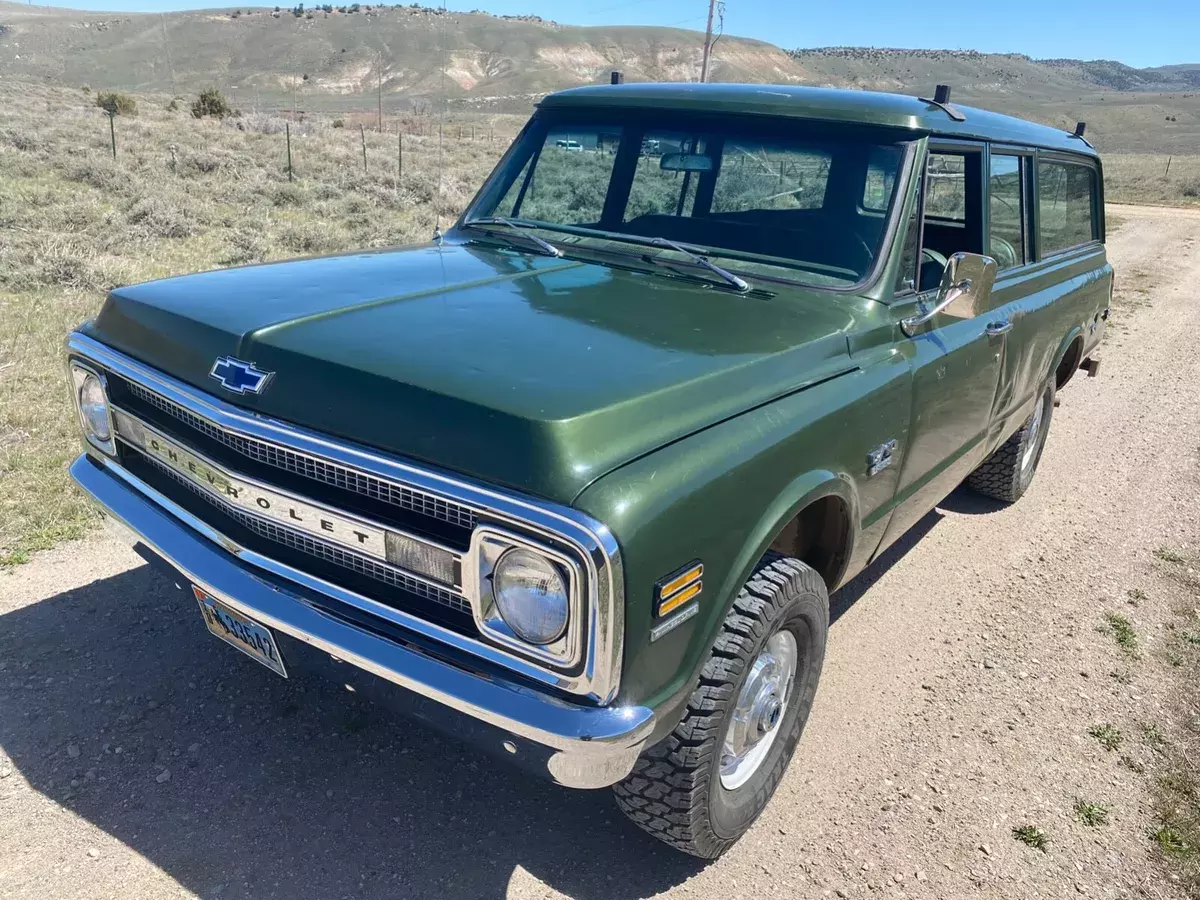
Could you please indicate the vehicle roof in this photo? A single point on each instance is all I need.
(826, 104)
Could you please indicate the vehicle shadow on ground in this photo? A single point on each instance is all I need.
(293, 788)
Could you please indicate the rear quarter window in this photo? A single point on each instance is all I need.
(1066, 195)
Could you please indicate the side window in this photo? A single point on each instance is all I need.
(946, 187)
(1066, 205)
(757, 176)
(1006, 219)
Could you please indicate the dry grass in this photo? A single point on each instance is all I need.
(1145, 178)
(182, 195)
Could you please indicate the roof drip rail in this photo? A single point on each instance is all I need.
(941, 99)
(1080, 128)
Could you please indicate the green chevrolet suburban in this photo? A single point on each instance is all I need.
(574, 481)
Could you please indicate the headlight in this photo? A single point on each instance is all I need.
(531, 595)
(93, 408)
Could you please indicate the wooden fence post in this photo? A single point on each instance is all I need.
(1165, 174)
(362, 133)
(287, 128)
(399, 156)
(112, 132)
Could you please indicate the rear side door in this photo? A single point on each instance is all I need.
(955, 360)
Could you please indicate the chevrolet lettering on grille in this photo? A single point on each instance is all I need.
(254, 498)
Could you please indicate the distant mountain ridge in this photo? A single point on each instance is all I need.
(337, 57)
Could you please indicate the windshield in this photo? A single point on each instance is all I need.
(812, 198)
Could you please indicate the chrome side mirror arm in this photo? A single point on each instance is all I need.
(910, 325)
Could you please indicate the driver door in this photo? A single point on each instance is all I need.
(956, 356)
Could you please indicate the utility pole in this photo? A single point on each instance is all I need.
(712, 5)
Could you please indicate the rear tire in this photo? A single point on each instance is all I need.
(689, 791)
(1008, 472)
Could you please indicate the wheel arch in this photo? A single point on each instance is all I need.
(811, 501)
(1068, 357)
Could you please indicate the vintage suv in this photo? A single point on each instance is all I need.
(574, 480)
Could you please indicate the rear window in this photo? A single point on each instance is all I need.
(1066, 205)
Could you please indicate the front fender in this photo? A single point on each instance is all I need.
(723, 494)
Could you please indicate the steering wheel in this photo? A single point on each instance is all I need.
(1004, 252)
(931, 258)
(847, 235)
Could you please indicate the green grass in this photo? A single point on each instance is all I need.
(1122, 631)
(1031, 836)
(1108, 735)
(1167, 555)
(1171, 841)
(1092, 815)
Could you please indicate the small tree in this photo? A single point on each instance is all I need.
(210, 103)
(116, 104)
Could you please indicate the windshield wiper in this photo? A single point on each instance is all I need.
(522, 230)
(738, 283)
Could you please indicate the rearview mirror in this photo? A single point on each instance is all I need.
(964, 292)
(686, 162)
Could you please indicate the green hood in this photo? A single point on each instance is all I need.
(540, 374)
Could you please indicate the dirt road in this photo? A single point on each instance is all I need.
(141, 758)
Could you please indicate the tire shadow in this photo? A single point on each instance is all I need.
(290, 789)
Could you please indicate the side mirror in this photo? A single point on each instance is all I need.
(964, 292)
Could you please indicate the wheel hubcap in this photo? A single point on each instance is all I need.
(761, 704)
(1035, 427)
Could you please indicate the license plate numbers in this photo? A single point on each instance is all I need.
(240, 631)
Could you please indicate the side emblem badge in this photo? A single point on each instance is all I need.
(239, 377)
(881, 457)
(676, 592)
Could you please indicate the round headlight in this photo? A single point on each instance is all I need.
(94, 407)
(531, 595)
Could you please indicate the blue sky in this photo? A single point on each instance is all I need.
(1145, 33)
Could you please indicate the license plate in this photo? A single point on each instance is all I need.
(255, 640)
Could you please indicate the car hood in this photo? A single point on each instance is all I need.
(537, 373)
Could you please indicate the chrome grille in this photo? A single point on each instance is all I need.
(321, 550)
(313, 468)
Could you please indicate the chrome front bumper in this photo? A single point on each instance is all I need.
(577, 745)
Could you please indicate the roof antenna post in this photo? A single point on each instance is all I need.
(1080, 128)
(941, 94)
(618, 78)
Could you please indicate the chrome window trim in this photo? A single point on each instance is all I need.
(599, 554)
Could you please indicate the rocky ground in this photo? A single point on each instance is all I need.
(974, 682)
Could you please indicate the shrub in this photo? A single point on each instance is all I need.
(211, 102)
(116, 104)
(339, 123)
(173, 105)
(1192, 189)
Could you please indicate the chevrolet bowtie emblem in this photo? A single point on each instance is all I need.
(239, 377)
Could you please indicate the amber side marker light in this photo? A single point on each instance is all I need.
(678, 588)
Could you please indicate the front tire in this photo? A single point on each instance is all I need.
(701, 788)
(1008, 472)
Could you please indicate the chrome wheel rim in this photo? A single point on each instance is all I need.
(1035, 427)
(760, 708)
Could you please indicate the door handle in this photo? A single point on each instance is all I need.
(996, 328)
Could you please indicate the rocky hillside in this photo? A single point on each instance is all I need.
(334, 58)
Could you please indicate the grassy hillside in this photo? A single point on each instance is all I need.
(327, 55)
